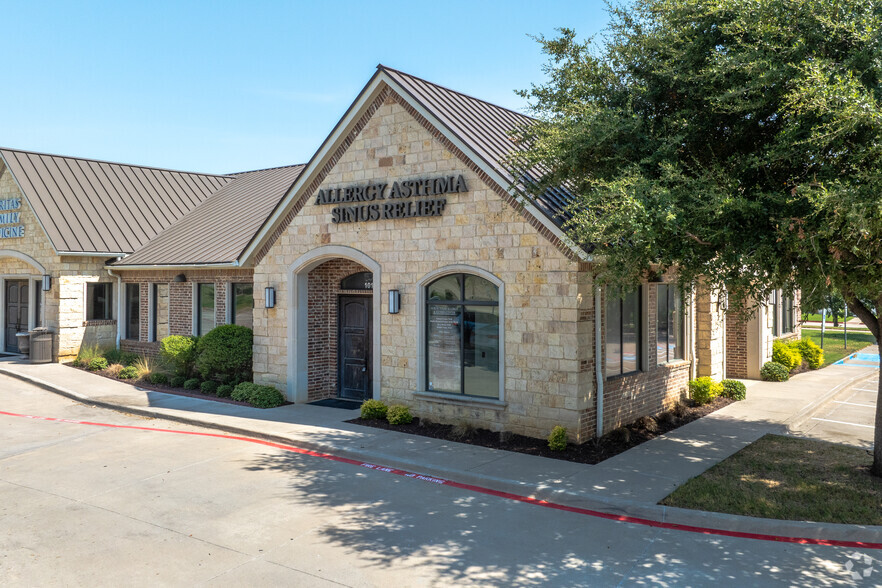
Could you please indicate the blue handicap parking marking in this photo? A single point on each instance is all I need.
(860, 359)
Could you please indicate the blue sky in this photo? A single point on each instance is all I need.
(231, 86)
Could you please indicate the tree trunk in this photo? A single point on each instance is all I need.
(873, 323)
(835, 320)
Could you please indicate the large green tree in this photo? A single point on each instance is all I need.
(739, 141)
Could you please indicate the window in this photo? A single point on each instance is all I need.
(99, 304)
(622, 332)
(787, 314)
(358, 281)
(38, 302)
(243, 305)
(462, 336)
(669, 323)
(205, 318)
(133, 311)
(774, 312)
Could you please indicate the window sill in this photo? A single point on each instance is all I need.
(99, 322)
(622, 376)
(462, 400)
(674, 363)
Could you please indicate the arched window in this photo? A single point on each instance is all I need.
(462, 336)
(358, 281)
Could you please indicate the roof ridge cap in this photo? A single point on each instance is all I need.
(251, 171)
(382, 67)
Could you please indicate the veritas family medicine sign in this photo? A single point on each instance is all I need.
(10, 218)
(404, 199)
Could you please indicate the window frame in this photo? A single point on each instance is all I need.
(788, 325)
(640, 336)
(108, 303)
(670, 288)
(197, 306)
(231, 302)
(129, 288)
(422, 326)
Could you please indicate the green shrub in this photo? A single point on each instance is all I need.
(128, 373)
(557, 440)
(242, 392)
(734, 389)
(192, 384)
(773, 371)
(158, 379)
(87, 354)
(128, 358)
(786, 355)
(373, 409)
(178, 381)
(179, 352)
(224, 391)
(266, 397)
(208, 387)
(398, 414)
(96, 364)
(113, 355)
(258, 396)
(811, 352)
(225, 351)
(703, 390)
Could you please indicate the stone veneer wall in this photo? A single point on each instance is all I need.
(655, 388)
(548, 302)
(179, 300)
(64, 304)
(323, 287)
(710, 336)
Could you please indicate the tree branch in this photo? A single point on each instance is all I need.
(697, 239)
(865, 314)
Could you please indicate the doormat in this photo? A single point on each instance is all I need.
(338, 403)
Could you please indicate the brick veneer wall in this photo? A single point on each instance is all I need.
(180, 299)
(323, 287)
(736, 346)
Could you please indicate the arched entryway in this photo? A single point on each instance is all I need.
(334, 325)
(21, 300)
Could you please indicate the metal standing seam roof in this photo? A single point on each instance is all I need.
(90, 206)
(220, 228)
(486, 128)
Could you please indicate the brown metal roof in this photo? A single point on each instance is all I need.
(89, 206)
(485, 128)
(219, 229)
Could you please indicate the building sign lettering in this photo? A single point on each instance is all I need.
(397, 200)
(11, 218)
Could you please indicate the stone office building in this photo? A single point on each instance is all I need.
(398, 263)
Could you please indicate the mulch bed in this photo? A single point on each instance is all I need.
(168, 389)
(590, 452)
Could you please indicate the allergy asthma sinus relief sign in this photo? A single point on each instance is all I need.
(377, 201)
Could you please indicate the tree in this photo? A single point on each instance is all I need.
(820, 299)
(739, 141)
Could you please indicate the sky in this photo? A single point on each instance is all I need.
(219, 87)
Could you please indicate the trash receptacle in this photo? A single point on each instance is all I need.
(41, 346)
(24, 342)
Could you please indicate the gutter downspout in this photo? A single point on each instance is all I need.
(119, 304)
(598, 357)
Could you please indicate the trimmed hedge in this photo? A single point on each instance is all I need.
(373, 409)
(158, 379)
(774, 372)
(557, 440)
(734, 389)
(225, 352)
(704, 389)
(179, 351)
(786, 355)
(224, 391)
(811, 352)
(192, 384)
(97, 364)
(128, 373)
(208, 387)
(178, 381)
(257, 395)
(398, 414)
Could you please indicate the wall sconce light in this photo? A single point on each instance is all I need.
(394, 301)
(47, 283)
(269, 297)
(180, 278)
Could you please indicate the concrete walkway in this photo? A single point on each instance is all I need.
(629, 484)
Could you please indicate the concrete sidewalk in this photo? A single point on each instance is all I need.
(629, 484)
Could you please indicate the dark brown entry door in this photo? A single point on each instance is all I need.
(16, 312)
(354, 347)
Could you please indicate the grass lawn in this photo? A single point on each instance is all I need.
(834, 342)
(784, 478)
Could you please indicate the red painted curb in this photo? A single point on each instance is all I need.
(481, 489)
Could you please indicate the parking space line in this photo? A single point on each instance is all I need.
(865, 389)
(854, 403)
(843, 423)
